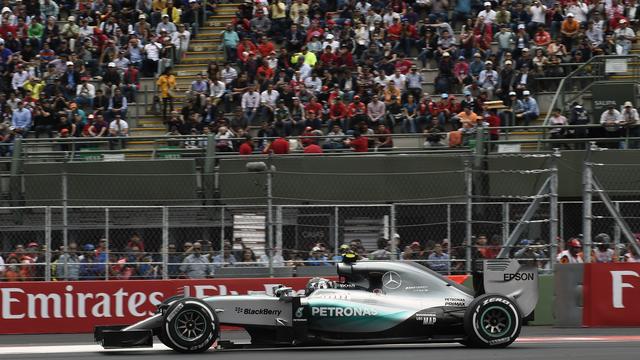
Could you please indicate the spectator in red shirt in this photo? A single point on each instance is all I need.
(136, 241)
(359, 143)
(279, 146)
(305, 138)
(312, 146)
(246, 148)
(265, 47)
(338, 113)
(246, 46)
(314, 106)
(345, 58)
(383, 140)
(404, 65)
(357, 111)
(328, 58)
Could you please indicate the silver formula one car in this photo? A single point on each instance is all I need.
(374, 302)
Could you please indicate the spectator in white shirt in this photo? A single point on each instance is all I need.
(376, 110)
(624, 36)
(313, 83)
(268, 100)
(85, 92)
(150, 64)
(488, 13)
(538, 15)
(217, 89)
(20, 77)
(249, 104)
(180, 39)
(611, 119)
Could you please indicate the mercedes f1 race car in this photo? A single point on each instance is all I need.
(373, 302)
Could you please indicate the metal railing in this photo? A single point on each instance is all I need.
(584, 76)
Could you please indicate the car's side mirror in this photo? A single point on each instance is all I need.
(283, 291)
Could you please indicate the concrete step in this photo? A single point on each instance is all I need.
(203, 59)
(204, 45)
(148, 131)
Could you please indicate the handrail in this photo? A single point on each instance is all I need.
(560, 91)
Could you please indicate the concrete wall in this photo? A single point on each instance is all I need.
(112, 183)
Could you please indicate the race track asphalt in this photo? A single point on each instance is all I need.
(543, 343)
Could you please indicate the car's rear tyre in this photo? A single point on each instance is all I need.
(492, 321)
(189, 326)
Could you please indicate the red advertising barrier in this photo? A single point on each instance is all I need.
(78, 306)
(611, 294)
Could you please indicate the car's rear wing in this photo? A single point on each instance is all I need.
(510, 278)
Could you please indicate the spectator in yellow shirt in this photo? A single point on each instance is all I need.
(166, 85)
(34, 85)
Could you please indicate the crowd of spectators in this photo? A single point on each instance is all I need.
(72, 68)
(195, 260)
(350, 67)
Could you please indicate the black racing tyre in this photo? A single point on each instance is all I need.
(492, 321)
(189, 326)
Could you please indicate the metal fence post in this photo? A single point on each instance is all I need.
(587, 197)
(505, 222)
(47, 242)
(270, 216)
(222, 229)
(65, 224)
(449, 225)
(107, 242)
(278, 230)
(553, 207)
(165, 242)
(392, 231)
(468, 180)
(616, 235)
(336, 229)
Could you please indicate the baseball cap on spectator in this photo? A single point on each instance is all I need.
(111, 65)
(33, 244)
(5, 9)
(91, 116)
(357, 97)
(508, 62)
(525, 50)
(512, 93)
(415, 244)
(329, 36)
(570, 15)
(64, 131)
(165, 15)
(477, 54)
(526, 93)
(622, 21)
(142, 16)
(488, 62)
(578, 106)
(467, 93)
(628, 104)
(461, 57)
(70, 63)
(71, 18)
(446, 53)
(444, 95)
(487, 3)
(520, 26)
(308, 128)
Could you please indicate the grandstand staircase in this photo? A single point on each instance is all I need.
(202, 50)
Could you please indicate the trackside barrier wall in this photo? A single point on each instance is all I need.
(79, 306)
(567, 309)
(597, 295)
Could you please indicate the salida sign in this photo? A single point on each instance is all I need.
(611, 294)
(76, 307)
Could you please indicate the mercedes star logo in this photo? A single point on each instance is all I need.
(391, 280)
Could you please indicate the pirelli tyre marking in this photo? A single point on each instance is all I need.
(190, 326)
(494, 321)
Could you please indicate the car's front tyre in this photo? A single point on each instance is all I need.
(189, 326)
(492, 321)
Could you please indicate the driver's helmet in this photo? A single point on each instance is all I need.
(317, 283)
